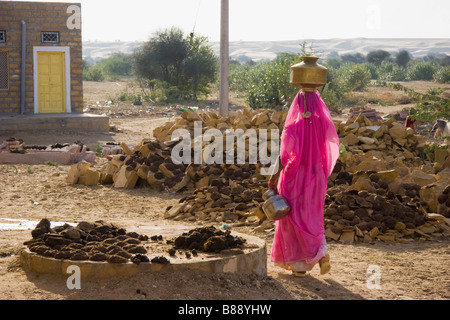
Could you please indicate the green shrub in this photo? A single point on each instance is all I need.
(421, 71)
(354, 77)
(93, 73)
(380, 83)
(373, 69)
(389, 71)
(116, 66)
(442, 75)
(267, 84)
(136, 99)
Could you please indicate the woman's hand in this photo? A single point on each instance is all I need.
(273, 180)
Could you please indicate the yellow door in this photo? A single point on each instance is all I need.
(51, 82)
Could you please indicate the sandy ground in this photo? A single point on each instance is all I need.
(417, 270)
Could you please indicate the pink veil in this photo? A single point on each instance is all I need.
(309, 150)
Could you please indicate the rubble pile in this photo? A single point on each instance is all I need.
(148, 164)
(385, 184)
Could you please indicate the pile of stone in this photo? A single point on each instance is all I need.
(241, 119)
(98, 241)
(382, 139)
(371, 114)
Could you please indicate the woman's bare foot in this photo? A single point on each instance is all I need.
(324, 264)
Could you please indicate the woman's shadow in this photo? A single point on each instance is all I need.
(326, 288)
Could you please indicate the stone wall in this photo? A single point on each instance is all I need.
(39, 16)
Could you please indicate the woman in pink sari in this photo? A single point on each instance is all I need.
(309, 150)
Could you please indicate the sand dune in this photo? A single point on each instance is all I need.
(258, 50)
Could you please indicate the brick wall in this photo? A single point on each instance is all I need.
(38, 16)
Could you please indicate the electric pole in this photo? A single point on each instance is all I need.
(224, 58)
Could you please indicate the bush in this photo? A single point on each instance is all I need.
(265, 85)
(116, 66)
(421, 71)
(402, 58)
(354, 77)
(390, 72)
(442, 75)
(93, 73)
(373, 69)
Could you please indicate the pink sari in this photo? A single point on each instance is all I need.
(309, 150)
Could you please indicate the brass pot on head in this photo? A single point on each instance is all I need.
(309, 75)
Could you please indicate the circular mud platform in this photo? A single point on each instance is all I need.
(161, 255)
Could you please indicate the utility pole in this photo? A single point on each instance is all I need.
(224, 58)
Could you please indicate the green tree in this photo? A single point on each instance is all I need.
(353, 58)
(200, 66)
(178, 67)
(402, 58)
(378, 56)
(162, 56)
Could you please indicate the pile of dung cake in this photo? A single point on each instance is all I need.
(98, 241)
(105, 242)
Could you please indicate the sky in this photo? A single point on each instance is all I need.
(266, 20)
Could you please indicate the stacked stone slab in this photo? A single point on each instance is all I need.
(244, 119)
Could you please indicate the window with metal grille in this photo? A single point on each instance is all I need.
(4, 72)
(50, 37)
(2, 36)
